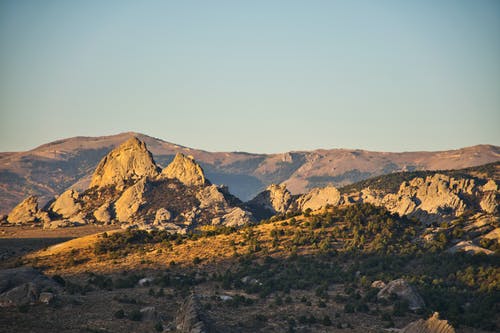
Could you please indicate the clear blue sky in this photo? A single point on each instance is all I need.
(259, 76)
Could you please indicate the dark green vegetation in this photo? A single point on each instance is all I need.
(337, 255)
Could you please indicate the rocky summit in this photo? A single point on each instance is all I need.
(186, 170)
(129, 162)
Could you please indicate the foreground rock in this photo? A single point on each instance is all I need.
(404, 291)
(431, 325)
(190, 318)
(25, 286)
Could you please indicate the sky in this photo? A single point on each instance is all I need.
(257, 76)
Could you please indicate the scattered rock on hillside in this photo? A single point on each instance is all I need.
(162, 216)
(186, 170)
(469, 247)
(149, 313)
(403, 290)
(129, 162)
(378, 284)
(190, 317)
(431, 325)
(22, 286)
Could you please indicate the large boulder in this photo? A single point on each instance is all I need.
(102, 214)
(129, 162)
(66, 205)
(211, 196)
(186, 170)
(431, 325)
(23, 285)
(235, 217)
(27, 212)
(319, 198)
(404, 291)
(130, 201)
(162, 216)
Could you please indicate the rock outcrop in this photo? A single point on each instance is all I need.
(431, 325)
(319, 198)
(27, 212)
(131, 161)
(67, 205)
(128, 188)
(130, 201)
(403, 290)
(190, 317)
(211, 196)
(236, 217)
(102, 214)
(186, 170)
(434, 198)
(275, 199)
(23, 286)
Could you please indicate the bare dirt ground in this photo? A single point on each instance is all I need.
(16, 241)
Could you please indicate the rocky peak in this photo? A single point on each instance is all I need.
(186, 170)
(130, 161)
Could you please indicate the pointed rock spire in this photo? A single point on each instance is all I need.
(130, 161)
(186, 170)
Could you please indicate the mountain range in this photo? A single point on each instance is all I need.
(52, 168)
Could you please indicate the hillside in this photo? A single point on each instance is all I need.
(318, 272)
(181, 254)
(52, 168)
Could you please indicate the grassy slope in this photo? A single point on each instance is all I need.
(317, 257)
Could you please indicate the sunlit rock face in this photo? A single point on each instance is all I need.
(129, 162)
(186, 170)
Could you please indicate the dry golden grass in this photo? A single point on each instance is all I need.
(77, 256)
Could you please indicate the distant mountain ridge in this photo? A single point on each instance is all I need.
(54, 167)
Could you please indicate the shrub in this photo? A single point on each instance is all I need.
(119, 314)
(135, 315)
